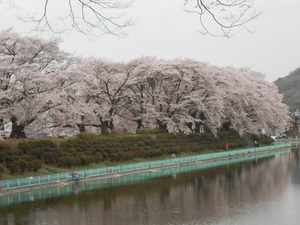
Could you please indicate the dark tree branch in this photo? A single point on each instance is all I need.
(226, 14)
(98, 17)
(89, 17)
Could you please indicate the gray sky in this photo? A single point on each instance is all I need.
(164, 30)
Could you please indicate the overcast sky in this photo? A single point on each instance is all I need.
(164, 30)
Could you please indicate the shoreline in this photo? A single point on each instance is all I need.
(16, 190)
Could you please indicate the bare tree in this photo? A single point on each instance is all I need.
(225, 15)
(95, 17)
(90, 17)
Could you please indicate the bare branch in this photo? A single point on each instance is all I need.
(225, 14)
(98, 17)
(89, 17)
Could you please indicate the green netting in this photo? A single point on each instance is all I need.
(52, 178)
(287, 140)
(120, 180)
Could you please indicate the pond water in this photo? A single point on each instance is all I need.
(255, 190)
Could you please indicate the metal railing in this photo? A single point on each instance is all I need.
(287, 140)
(58, 177)
(118, 181)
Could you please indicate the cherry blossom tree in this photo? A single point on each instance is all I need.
(169, 88)
(106, 83)
(191, 97)
(206, 106)
(250, 102)
(172, 93)
(43, 88)
(75, 111)
(266, 104)
(140, 100)
(28, 70)
(91, 97)
(183, 95)
(229, 84)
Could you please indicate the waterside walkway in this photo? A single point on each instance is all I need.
(58, 179)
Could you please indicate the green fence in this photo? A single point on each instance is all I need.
(287, 140)
(118, 181)
(53, 178)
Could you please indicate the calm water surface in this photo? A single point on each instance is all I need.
(259, 191)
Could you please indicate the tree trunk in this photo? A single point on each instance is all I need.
(162, 127)
(81, 125)
(2, 125)
(139, 123)
(197, 127)
(104, 127)
(111, 125)
(17, 130)
(190, 126)
(226, 125)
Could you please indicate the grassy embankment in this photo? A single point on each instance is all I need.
(24, 158)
